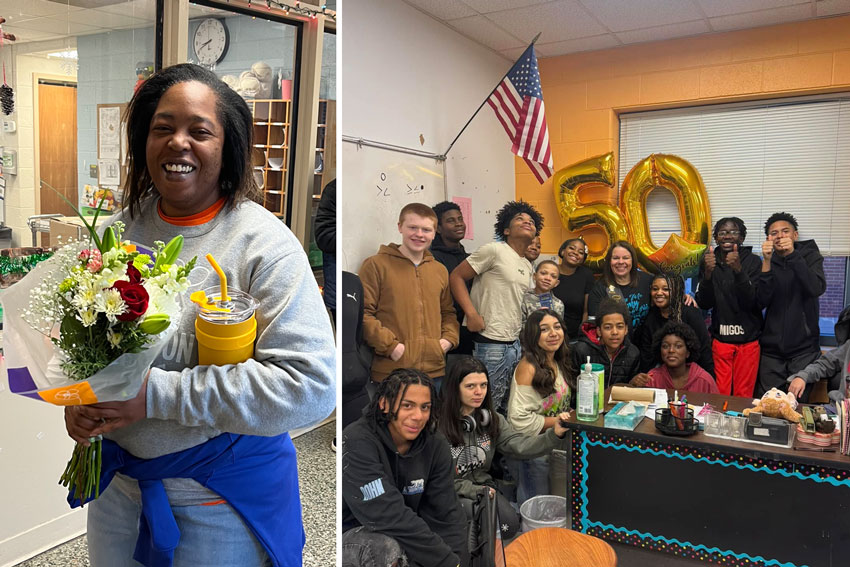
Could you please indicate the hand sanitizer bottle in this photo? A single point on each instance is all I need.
(588, 394)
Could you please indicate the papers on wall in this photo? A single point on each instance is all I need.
(109, 130)
(108, 172)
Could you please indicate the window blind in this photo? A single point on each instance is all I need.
(755, 159)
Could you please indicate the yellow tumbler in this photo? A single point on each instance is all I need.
(226, 331)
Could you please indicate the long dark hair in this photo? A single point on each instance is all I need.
(606, 267)
(393, 388)
(450, 416)
(236, 181)
(544, 378)
(676, 286)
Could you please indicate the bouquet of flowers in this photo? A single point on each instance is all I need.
(101, 312)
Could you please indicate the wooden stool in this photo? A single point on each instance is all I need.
(559, 547)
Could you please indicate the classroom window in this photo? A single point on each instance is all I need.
(757, 158)
(73, 69)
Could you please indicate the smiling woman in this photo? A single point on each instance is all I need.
(622, 280)
(192, 427)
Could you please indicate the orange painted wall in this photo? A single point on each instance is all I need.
(585, 92)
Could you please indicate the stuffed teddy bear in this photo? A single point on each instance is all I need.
(776, 403)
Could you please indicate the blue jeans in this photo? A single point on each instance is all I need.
(364, 548)
(500, 360)
(210, 536)
(532, 476)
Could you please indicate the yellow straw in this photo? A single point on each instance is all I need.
(221, 277)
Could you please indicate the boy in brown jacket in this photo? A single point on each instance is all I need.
(408, 314)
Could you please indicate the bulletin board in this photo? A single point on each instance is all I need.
(377, 183)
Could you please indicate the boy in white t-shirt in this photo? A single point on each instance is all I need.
(493, 307)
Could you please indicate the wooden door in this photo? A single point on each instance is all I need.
(57, 145)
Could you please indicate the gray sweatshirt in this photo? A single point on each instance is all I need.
(290, 382)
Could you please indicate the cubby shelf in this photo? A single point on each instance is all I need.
(270, 156)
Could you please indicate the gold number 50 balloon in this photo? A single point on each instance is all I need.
(597, 171)
(629, 222)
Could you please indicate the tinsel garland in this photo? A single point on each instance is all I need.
(7, 99)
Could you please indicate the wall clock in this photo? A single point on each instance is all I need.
(211, 41)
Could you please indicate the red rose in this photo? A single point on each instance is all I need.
(136, 298)
(134, 274)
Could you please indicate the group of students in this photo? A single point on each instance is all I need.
(528, 329)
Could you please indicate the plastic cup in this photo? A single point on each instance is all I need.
(226, 337)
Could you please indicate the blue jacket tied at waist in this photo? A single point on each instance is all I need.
(257, 476)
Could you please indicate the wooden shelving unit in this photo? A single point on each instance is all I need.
(270, 155)
(326, 152)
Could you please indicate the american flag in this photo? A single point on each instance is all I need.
(518, 104)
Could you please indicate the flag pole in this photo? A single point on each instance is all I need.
(533, 41)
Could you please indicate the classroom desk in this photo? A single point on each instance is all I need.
(715, 500)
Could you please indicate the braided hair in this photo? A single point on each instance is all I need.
(393, 388)
(676, 285)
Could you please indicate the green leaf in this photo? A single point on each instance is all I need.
(89, 227)
(109, 241)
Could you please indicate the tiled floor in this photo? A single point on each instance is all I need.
(317, 477)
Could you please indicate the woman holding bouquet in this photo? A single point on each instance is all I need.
(201, 454)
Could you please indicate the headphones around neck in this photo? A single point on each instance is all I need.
(469, 424)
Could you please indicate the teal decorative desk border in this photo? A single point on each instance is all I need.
(582, 523)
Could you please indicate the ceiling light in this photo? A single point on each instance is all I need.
(70, 54)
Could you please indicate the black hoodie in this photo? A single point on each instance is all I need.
(626, 361)
(409, 497)
(655, 321)
(789, 294)
(735, 314)
(451, 259)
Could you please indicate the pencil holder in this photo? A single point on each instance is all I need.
(670, 424)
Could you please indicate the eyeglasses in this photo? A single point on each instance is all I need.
(722, 233)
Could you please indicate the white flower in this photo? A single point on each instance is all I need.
(88, 317)
(114, 337)
(109, 301)
(85, 296)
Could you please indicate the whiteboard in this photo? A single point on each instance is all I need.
(375, 185)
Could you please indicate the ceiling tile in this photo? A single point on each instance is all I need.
(664, 32)
(763, 18)
(141, 9)
(487, 6)
(56, 27)
(713, 8)
(556, 48)
(832, 7)
(102, 19)
(485, 32)
(13, 9)
(621, 15)
(443, 9)
(557, 21)
(26, 35)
